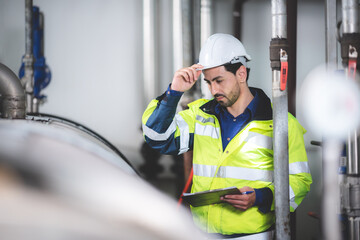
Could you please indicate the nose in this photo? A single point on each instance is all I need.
(213, 88)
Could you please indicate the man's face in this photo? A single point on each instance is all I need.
(223, 85)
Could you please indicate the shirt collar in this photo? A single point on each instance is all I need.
(251, 107)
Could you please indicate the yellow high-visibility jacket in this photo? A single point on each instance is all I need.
(246, 161)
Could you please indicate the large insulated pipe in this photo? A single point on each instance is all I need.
(150, 83)
(279, 46)
(12, 95)
(28, 79)
(206, 14)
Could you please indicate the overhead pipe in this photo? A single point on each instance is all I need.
(12, 93)
(149, 36)
(28, 60)
(279, 46)
(206, 13)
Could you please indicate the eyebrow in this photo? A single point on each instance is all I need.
(214, 79)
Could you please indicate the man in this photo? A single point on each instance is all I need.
(231, 136)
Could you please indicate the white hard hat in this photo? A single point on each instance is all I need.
(220, 49)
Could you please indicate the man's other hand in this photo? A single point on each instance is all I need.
(241, 201)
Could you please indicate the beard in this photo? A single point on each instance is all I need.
(228, 100)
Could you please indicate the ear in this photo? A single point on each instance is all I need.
(241, 74)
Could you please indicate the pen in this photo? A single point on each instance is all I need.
(247, 192)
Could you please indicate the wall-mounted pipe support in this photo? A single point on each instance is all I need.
(12, 95)
(280, 117)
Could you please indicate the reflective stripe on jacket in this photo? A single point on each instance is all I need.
(246, 161)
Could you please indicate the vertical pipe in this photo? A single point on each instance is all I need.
(279, 25)
(350, 22)
(281, 166)
(280, 117)
(330, 32)
(149, 77)
(177, 35)
(350, 15)
(206, 31)
(182, 33)
(292, 35)
(331, 149)
(331, 194)
(187, 33)
(28, 59)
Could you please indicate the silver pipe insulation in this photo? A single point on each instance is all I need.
(206, 14)
(149, 74)
(12, 95)
(350, 16)
(280, 118)
(28, 79)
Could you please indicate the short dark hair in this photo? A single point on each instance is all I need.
(234, 67)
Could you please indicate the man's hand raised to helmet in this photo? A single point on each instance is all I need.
(185, 78)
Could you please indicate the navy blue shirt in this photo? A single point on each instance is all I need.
(230, 125)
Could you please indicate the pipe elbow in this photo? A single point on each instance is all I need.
(13, 98)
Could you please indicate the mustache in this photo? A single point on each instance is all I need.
(218, 95)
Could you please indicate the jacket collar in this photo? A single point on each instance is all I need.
(262, 112)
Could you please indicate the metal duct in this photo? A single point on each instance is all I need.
(280, 117)
(12, 95)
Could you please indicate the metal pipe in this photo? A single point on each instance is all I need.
(280, 118)
(331, 194)
(331, 32)
(279, 23)
(350, 16)
(150, 83)
(206, 30)
(182, 34)
(28, 79)
(353, 153)
(177, 35)
(291, 10)
(281, 156)
(12, 95)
